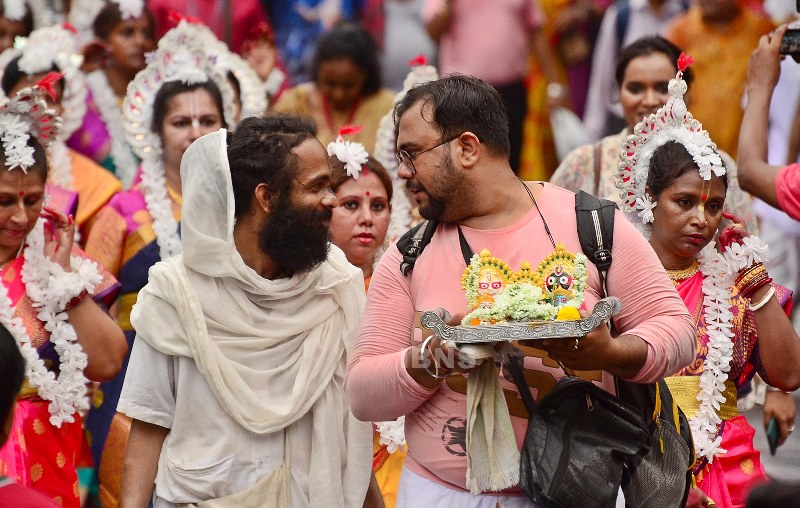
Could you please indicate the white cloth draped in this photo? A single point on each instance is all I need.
(271, 350)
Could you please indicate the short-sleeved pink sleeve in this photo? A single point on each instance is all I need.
(787, 187)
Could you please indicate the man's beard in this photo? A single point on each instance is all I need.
(295, 239)
(435, 208)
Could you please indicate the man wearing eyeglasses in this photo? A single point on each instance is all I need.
(453, 150)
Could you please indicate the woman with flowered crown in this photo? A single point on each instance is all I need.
(124, 33)
(74, 175)
(65, 336)
(673, 184)
(181, 95)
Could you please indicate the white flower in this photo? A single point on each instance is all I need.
(352, 154)
(646, 205)
(130, 8)
(392, 434)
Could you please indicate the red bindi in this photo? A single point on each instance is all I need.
(704, 197)
(366, 193)
(21, 193)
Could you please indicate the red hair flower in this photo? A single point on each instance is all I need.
(47, 82)
(684, 61)
(419, 60)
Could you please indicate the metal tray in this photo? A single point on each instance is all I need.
(532, 330)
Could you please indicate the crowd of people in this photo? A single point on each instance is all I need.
(222, 222)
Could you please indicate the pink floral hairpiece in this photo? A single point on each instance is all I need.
(350, 153)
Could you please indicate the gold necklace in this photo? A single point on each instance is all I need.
(676, 276)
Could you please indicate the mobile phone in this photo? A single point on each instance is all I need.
(790, 44)
(773, 433)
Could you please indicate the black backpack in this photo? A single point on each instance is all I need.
(667, 426)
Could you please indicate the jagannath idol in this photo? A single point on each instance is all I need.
(497, 294)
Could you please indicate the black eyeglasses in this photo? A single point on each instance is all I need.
(403, 156)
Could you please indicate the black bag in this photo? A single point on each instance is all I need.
(580, 439)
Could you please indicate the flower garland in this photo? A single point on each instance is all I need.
(106, 101)
(60, 165)
(392, 434)
(50, 288)
(719, 270)
(154, 189)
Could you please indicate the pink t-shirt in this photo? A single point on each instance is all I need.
(488, 39)
(379, 388)
(787, 187)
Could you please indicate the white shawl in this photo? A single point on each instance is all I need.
(271, 351)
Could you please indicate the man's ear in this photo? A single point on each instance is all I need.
(262, 195)
(469, 149)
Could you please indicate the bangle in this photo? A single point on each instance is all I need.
(754, 307)
(77, 300)
(426, 364)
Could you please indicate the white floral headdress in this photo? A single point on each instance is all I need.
(83, 12)
(38, 53)
(672, 122)
(251, 89)
(350, 153)
(26, 115)
(180, 56)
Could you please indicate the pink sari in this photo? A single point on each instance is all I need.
(728, 479)
(38, 454)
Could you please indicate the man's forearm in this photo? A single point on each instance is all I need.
(630, 356)
(141, 463)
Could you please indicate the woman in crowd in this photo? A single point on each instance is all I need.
(673, 184)
(346, 89)
(169, 105)
(66, 338)
(359, 224)
(643, 71)
(69, 170)
(124, 36)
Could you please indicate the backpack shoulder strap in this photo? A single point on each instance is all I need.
(414, 242)
(595, 218)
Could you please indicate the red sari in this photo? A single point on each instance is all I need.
(38, 454)
(730, 476)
